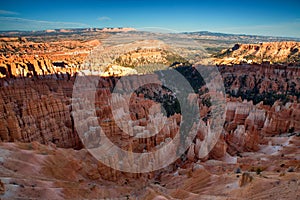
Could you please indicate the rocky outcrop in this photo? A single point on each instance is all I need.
(271, 52)
(2, 188)
(25, 46)
(116, 70)
(247, 124)
(282, 119)
(37, 110)
(245, 179)
(21, 58)
(139, 126)
(38, 67)
(243, 125)
(262, 82)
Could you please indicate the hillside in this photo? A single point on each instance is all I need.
(271, 52)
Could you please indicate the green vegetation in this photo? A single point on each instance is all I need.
(250, 57)
(150, 68)
(214, 50)
(257, 170)
(162, 95)
(150, 64)
(268, 98)
(222, 54)
(174, 58)
(207, 102)
(193, 76)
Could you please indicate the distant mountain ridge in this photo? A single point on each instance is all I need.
(201, 34)
(15, 33)
(219, 34)
(236, 38)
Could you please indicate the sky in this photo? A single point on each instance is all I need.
(256, 17)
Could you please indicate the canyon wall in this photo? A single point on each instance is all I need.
(22, 58)
(266, 52)
(39, 109)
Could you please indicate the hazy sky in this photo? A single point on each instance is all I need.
(275, 18)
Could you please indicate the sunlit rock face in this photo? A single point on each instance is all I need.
(246, 124)
(242, 128)
(23, 58)
(282, 119)
(271, 52)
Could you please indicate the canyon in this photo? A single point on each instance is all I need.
(45, 154)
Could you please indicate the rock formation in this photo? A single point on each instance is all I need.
(22, 58)
(271, 52)
(245, 179)
(37, 110)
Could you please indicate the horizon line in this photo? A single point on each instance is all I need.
(137, 30)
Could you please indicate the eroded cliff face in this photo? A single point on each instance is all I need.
(271, 52)
(22, 58)
(40, 110)
(262, 82)
(37, 110)
(248, 124)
